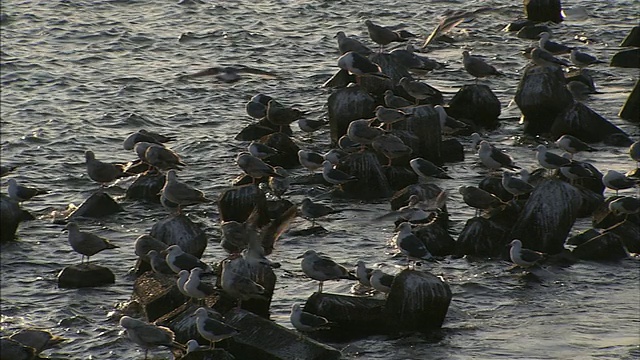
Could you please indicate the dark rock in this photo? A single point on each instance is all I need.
(585, 124)
(477, 103)
(236, 204)
(288, 156)
(262, 128)
(390, 67)
(583, 237)
(98, 205)
(629, 233)
(399, 176)
(264, 339)
(482, 237)
(424, 133)
(436, 239)
(633, 39)
(493, 184)
(157, 294)
(180, 230)
(626, 59)
(340, 79)
(631, 109)
(591, 201)
(85, 275)
(353, 316)
(418, 301)
(451, 150)
(605, 247)
(10, 217)
(541, 96)
(371, 183)
(543, 10)
(519, 24)
(346, 105)
(547, 217)
(532, 32)
(147, 187)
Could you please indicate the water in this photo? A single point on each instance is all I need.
(83, 75)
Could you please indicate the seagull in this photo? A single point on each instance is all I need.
(236, 282)
(550, 160)
(305, 322)
(147, 335)
(494, 158)
(183, 277)
(572, 144)
(381, 281)
(447, 123)
(146, 243)
(323, 268)
(359, 65)
(552, 47)
(228, 74)
(382, 35)
(515, 186)
(86, 243)
(158, 156)
(361, 132)
(261, 151)
(180, 260)
(581, 59)
(544, 58)
(158, 263)
(396, 102)
(254, 167)
(363, 273)
(346, 44)
(410, 245)
(575, 170)
(625, 205)
(181, 193)
(281, 115)
(523, 257)
(312, 211)
(475, 141)
(347, 145)
(212, 329)
(391, 146)
(22, 193)
(194, 287)
(102, 172)
(310, 159)
(335, 176)
(310, 126)
(194, 346)
(279, 185)
(6, 169)
(478, 198)
(256, 107)
(40, 340)
(417, 90)
(617, 181)
(477, 67)
(425, 168)
(143, 135)
(634, 152)
(335, 155)
(409, 59)
(388, 116)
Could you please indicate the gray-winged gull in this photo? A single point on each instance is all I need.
(634, 152)
(181, 193)
(494, 158)
(279, 185)
(254, 167)
(183, 277)
(544, 58)
(310, 159)
(346, 44)
(281, 115)
(257, 106)
(335, 176)
(212, 329)
(22, 193)
(523, 257)
(478, 198)
(158, 263)
(551, 46)
(363, 273)
(388, 116)
(236, 282)
(549, 160)
(323, 268)
(575, 170)
(310, 125)
(335, 155)
(615, 180)
(391, 147)
(311, 210)
(86, 243)
(102, 172)
(361, 132)
(425, 169)
(583, 59)
(143, 135)
(382, 35)
(194, 287)
(305, 322)
(145, 243)
(261, 151)
(515, 186)
(477, 67)
(381, 281)
(180, 260)
(149, 336)
(417, 90)
(410, 245)
(572, 144)
(393, 101)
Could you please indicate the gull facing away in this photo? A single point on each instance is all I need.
(181, 193)
(179, 260)
(323, 268)
(22, 193)
(143, 135)
(148, 336)
(523, 257)
(212, 329)
(103, 172)
(478, 198)
(306, 322)
(477, 67)
(86, 243)
(494, 158)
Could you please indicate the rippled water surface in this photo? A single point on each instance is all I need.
(80, 75)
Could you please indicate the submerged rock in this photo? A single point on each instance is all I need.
(157, 294)
(236, 204)
(10, 217)
(85, 275)
(605, 247)
(626, 59)
(482, 237)
(98, 205)
(476, 103)
(180, 230)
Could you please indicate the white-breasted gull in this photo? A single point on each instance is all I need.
(425, 169)
(494, 158)
(305, 322)
(410, 245)
(181, 193)
(625, 205)
(515, 186)
(323, 268)
(363, 273)
(524, 257)
(479, 199)
(549, 160)
(335, 176)
(254, 167)
(615, 180)
(572, 144)
(180, 260)
(381, 281)
(310, 160)
(212, 329)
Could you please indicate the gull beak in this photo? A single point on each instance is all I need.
(300, 257)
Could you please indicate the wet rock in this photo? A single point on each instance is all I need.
(543, 10)
(390, 67)
(288, 156)
(633, 39)
(541, 95)
(264, 339)
(631, 109)
(98, 205)
(340, 79)
(236, 204)
(180, 230)
(346, 105)
(81, 276)
(208, 354)
(585, 124)
(518, 24)
(371, 183)
(10, 217)
(493, 184)
(400, 176)
(477, 103)
(605, 247)
(547, 217)
(353, 316)
(157, 294)
(591, 201)
(451, 150)
(629, 233)
(626, 59)
(146, 187)
(424, 133)
(481, 237)
(436, 239)
(418, 301)
(583, 237)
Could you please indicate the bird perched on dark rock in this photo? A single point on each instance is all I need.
(383, 35)
(477, 67)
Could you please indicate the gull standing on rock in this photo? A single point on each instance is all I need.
(478, 198)
(381, 281)
(146, 243)
(22, 193)
(179, 260)
(494, 158)
(396, 102)
(549, 160)
(544, 58)
(194, 287)
(552, 47)
(236, 282)
(361, 132)
(346, 44)
(305, 322)
(261, 151)
(183, 277)
(256, 107)
(634, 152)
(158, 156)
(617, 181)
(158, 263)
(335, 176)
(363, 273)
(212, 329)
(388, 116)
(102, 172)
(410, 245)
(523, 257)
(86, 243)
(323, 268)
(425, 169)
(477, 67)
(447, 123)
(359, 66)
(143, 135)
(515, 186)
(279, 185)
(254, 167)
(572, 144)
(391, 147)
(181, 193)
(382, 35)
(281, 115)
(310, 159)
(417, 90)
(149, 336)
(581, 59)
(310, 126)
